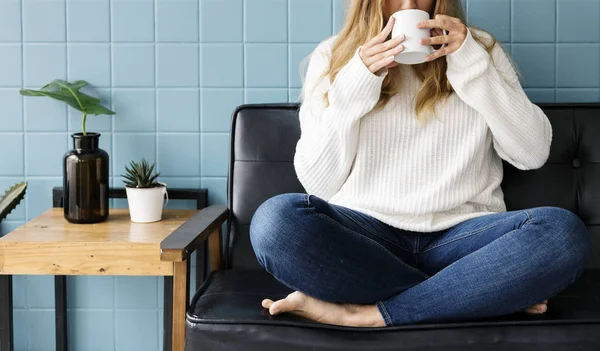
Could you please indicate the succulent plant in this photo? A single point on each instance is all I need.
(69, 92)
(11, 199)
(140, 175)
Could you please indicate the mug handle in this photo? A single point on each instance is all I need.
(166, 193)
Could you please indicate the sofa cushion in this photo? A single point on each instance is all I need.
(226, 314)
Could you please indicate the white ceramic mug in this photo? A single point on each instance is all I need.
(406, 23)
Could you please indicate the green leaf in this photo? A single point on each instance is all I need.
(69, 93)
(11, 199)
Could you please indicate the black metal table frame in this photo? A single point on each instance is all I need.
(60, 281)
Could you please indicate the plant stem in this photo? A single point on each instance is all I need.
(83, 123)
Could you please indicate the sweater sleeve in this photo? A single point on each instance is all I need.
(328, 143)
(522, 133)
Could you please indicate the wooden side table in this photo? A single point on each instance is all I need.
(50, 245)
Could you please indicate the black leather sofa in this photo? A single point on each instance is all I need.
(226, 314)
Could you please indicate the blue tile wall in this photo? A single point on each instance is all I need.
(174, 70)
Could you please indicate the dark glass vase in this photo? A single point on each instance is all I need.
(85, 180)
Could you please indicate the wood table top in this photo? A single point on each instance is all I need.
(51, 226)
(49, 244)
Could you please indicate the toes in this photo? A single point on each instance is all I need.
(283, 305)
(266, 303)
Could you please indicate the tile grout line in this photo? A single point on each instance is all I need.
(24, 147)
(200, 100)
(555, 94)
(155, 34)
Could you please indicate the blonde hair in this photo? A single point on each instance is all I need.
(365, 20)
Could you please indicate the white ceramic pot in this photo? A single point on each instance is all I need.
(146, 204)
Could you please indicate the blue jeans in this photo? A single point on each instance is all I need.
(484, 267)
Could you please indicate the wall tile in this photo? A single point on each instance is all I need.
(578, 65)
(95, 330)
(133, 65)
(90, 62)
(93, 123)
(11, 117)
(43, 63)
(132, 330)
(186, 148)
(132, 21)
(320, 25)
(79, 27)
(222, 65)
(10, 65)
(577, 95)
(21, 321)
(217, 190)
(127, 292)
(540, 95)
(90, 291)
(540, 30)
(298, 53)
(37, 288)
(44, 114)
(177, 20)
(48, 162)
(132, 147)
(135, 110)
(221, 20)
(19, 289)
(178, 110)
(339, 15)
(266, 65)
(264, 95)
(40, 328)
(177, 65)
(215, 155)
(41, 188)
(294, 95)
(217, 108)
(578, 20)
(536, 62)
(266, 21)
(12, 162)
(10, 21)
(43, 20)
(480, 14)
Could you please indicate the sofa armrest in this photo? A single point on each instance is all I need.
(206, 224)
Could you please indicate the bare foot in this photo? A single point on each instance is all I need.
(538, 308)
(320, 311)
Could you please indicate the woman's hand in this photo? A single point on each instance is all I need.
(457, 33)
(378, 54)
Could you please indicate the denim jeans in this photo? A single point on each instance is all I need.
(483, 267)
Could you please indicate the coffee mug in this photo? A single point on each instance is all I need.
(406, 23)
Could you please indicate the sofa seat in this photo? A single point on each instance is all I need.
(226, 314)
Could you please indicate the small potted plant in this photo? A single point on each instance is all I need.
(86, 166)
(144, 193)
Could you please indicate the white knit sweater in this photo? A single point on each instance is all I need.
(423, 179)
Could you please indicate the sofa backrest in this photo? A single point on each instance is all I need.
(263, 143)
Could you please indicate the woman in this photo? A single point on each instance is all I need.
(404, 221)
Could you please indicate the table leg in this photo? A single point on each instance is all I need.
(181, 293)
(168, 313)
(60, 310)
(6, 314)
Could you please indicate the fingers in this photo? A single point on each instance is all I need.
(379, 61)
(379, 38)
(441, 39)
(441, 52)
(390, 44)
(378, 52)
